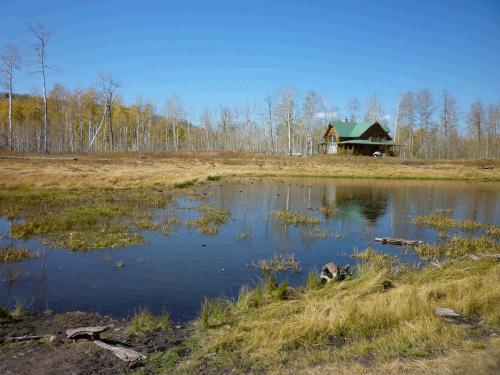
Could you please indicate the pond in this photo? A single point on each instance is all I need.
(175, 272)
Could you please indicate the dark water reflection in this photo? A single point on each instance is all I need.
(175, 272)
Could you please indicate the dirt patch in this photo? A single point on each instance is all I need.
(81, 357)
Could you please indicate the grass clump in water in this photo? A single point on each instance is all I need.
(458, 247)
(210, 220)
(329, 211)
(15, 254)
(82, 219)
(98, 238)
(443, 223)
(145, 322)
(186, 184)
(147, 225)
(296, 218)
(278, 263)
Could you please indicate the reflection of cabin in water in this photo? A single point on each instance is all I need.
(362, 138)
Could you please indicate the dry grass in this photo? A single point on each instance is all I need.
(458, 247)
(82, 219)
(278, 263)
(382, 320)
(15, 254)
(144, 322)
(296, 218)
(210, 220)
(116, 170)
(443, 223)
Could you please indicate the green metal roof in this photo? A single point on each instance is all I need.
(367, 142)
(354, 129)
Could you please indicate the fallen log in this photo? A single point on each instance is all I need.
(399, 241)
(39, 158)
(446, 312)
(483, 256)
(86, 332)
(51, 338)
(130, 356)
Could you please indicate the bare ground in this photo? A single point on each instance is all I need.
(82, 357)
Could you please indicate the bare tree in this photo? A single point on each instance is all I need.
(425, 110)
(40, 47)
(10, 61)
(108, 88)
(448, 120)
(312, 104)
(476, 124)
(287, 103)
(374, 110)
(353, 108)
(174, 112)
(270, 142)
(492, 126)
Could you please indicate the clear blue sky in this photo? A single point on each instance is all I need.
(237, 52)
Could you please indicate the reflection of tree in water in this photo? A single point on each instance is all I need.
(370, 201)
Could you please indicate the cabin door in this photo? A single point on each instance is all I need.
(332, 149)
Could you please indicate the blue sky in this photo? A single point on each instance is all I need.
(237, 52)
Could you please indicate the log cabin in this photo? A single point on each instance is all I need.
(357, 138)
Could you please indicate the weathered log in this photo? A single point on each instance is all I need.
(86, 332)
(483, 256)
(399, 241)
(51, 338)
(38, 158)
(446, 312)
(130, 356)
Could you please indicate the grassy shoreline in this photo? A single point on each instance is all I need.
(135, 170)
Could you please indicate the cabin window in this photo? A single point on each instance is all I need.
(377, 138)
(332, 138)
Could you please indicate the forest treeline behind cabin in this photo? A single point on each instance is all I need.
(95, 118)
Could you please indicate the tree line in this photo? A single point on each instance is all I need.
(96, 119)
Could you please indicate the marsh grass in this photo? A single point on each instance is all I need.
(458, 247)
(147, 225)
(15, 254)
(492, 230)
(83, 219)
(360, 320)
(244, 236)
(4, 315)
(186, 184)
(278, 263)
(329, 211)
(20, 307)
(213, 313)
(440, 222)
(296, 218)
(317, 233)
(210, 220)
(313, 281)
(144, 322)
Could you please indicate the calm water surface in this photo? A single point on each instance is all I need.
(175, 272)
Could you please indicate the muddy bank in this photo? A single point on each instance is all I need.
(63, 356)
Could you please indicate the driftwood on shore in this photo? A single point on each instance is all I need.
(86, 332)
(39, 157)
(399, 241)
(31, 337)
(130, 356)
